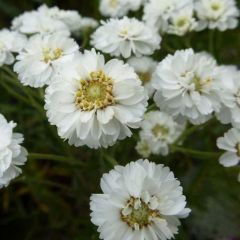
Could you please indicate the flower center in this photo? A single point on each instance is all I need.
(51, 54)
(237, 98)
(113, 3)
(238, 149)
(182, 22)
(95, 92)
(200, 83)
(160, 131)
(124, 33)
(137, 214)
(215, 6)
(145, 77)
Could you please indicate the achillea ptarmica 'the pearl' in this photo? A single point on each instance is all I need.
(126, 37)
(188, 83)
(95, 103)
(42, 56)
(140, 201)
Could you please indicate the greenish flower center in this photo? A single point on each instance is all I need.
(160, 131)
(137, 214)
(181, 22)
(145, 77)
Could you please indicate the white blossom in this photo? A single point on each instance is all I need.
(140, 201)
(118, 8)
(158, 131)
(217, 14)
(230, 142)
(172, 16)
(38, 62)
(10, 42)
(12, 154)
(187, 83)
(144, 67)
(95, 103)
(230, 111)
(124, 37)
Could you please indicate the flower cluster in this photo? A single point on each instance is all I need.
(179, 17)
(12, 154)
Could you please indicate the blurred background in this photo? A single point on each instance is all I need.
(50, 201)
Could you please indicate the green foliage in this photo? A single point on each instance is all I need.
(51, 199)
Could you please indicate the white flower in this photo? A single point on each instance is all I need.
(188, 84)
(230, 111)
(95, 103)
(12, 154)
(182, 21)
(36, 23)
(220, 14)
(42, 56)
(230, 142)
(70, 18)
(159, 130)
(47, 20)
(125, 37)
(143, 147)
(157, 13)
(118, 8)
(113, 8)
(141, 201)
(144, 67)
(10, 42)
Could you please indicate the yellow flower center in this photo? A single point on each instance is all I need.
(137, 214)
(238, 149)
(51, 54)
(160, 131)
(145, 77)
(200, 83)
(95, 92)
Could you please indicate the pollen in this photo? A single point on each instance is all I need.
(51, 54)
(145, 77)
(160, 131)
(137, 214)
(96, 92)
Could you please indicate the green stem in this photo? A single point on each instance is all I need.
(14, 93)
(57, 158)
(190, 130)
(196, 153)
(211, 42)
